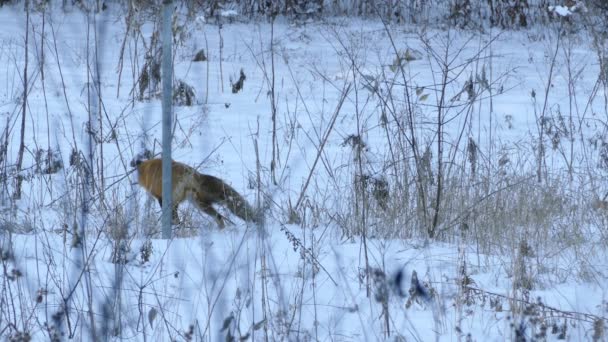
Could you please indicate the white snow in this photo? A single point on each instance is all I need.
(291, 281)
(560, 10)
(229, 13)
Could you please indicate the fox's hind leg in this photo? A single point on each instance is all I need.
(174, 215)
(204, 204)
(219, 219)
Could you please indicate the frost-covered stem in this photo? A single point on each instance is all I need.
(385, 308)
(548, 87)
(90, 109)
(208, 61)
(7, 299)
(440, 113)
(410, 121)
(63, 86)
(360, 192)
(41, 65)
(259, 199)
(460, 276)
(219, 29)
(264, 280)
(273, 106)
(17, 194)
(345, 92)
(121, 55)
(4, 136)
(140, 309)
(299, 296)
(491, 113)
(44, 94)
(98, 105)
(88, 185)
(571, 107)
(258, 174)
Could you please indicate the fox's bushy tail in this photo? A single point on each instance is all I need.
(218, 191)
(239, 205)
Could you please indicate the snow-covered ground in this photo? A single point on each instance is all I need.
(317, 279)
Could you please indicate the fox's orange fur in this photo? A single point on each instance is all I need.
(203, 190)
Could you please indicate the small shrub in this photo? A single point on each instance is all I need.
(238, 85)
(200, 56)
(48, 161)
(183, 94)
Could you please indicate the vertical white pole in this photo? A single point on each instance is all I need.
(167, 84)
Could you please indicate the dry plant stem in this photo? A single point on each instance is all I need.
(312, 257)
(163, 313)
(88, 184)
(44, 95)
(17, 194)
(447, 67)
(224, 281)
(385, 105)
(470, 208)
(273, 106)
(119, 150)
(89, 108)
(81, 247)
(135, 67)
(258, 173)
(270, 81)
(345, 92)
(128, 20)
(385, 308)
(110, 322)
(207, 63)
(4, 190)
(86, 257)
(389, 140)
(299, 296)
(140, 307)
(440, 112)
(63, 85)
(572, 105)
(541, 124)
(7, 302)
(599, 43)
(491, 91)
(361, 204)
(572, 315)
(459, 302)
(264, 284)
(410, 114)
(98, 109)
(219, 29)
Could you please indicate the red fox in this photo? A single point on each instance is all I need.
(187, 183)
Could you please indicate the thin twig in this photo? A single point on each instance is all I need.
(345, 92)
